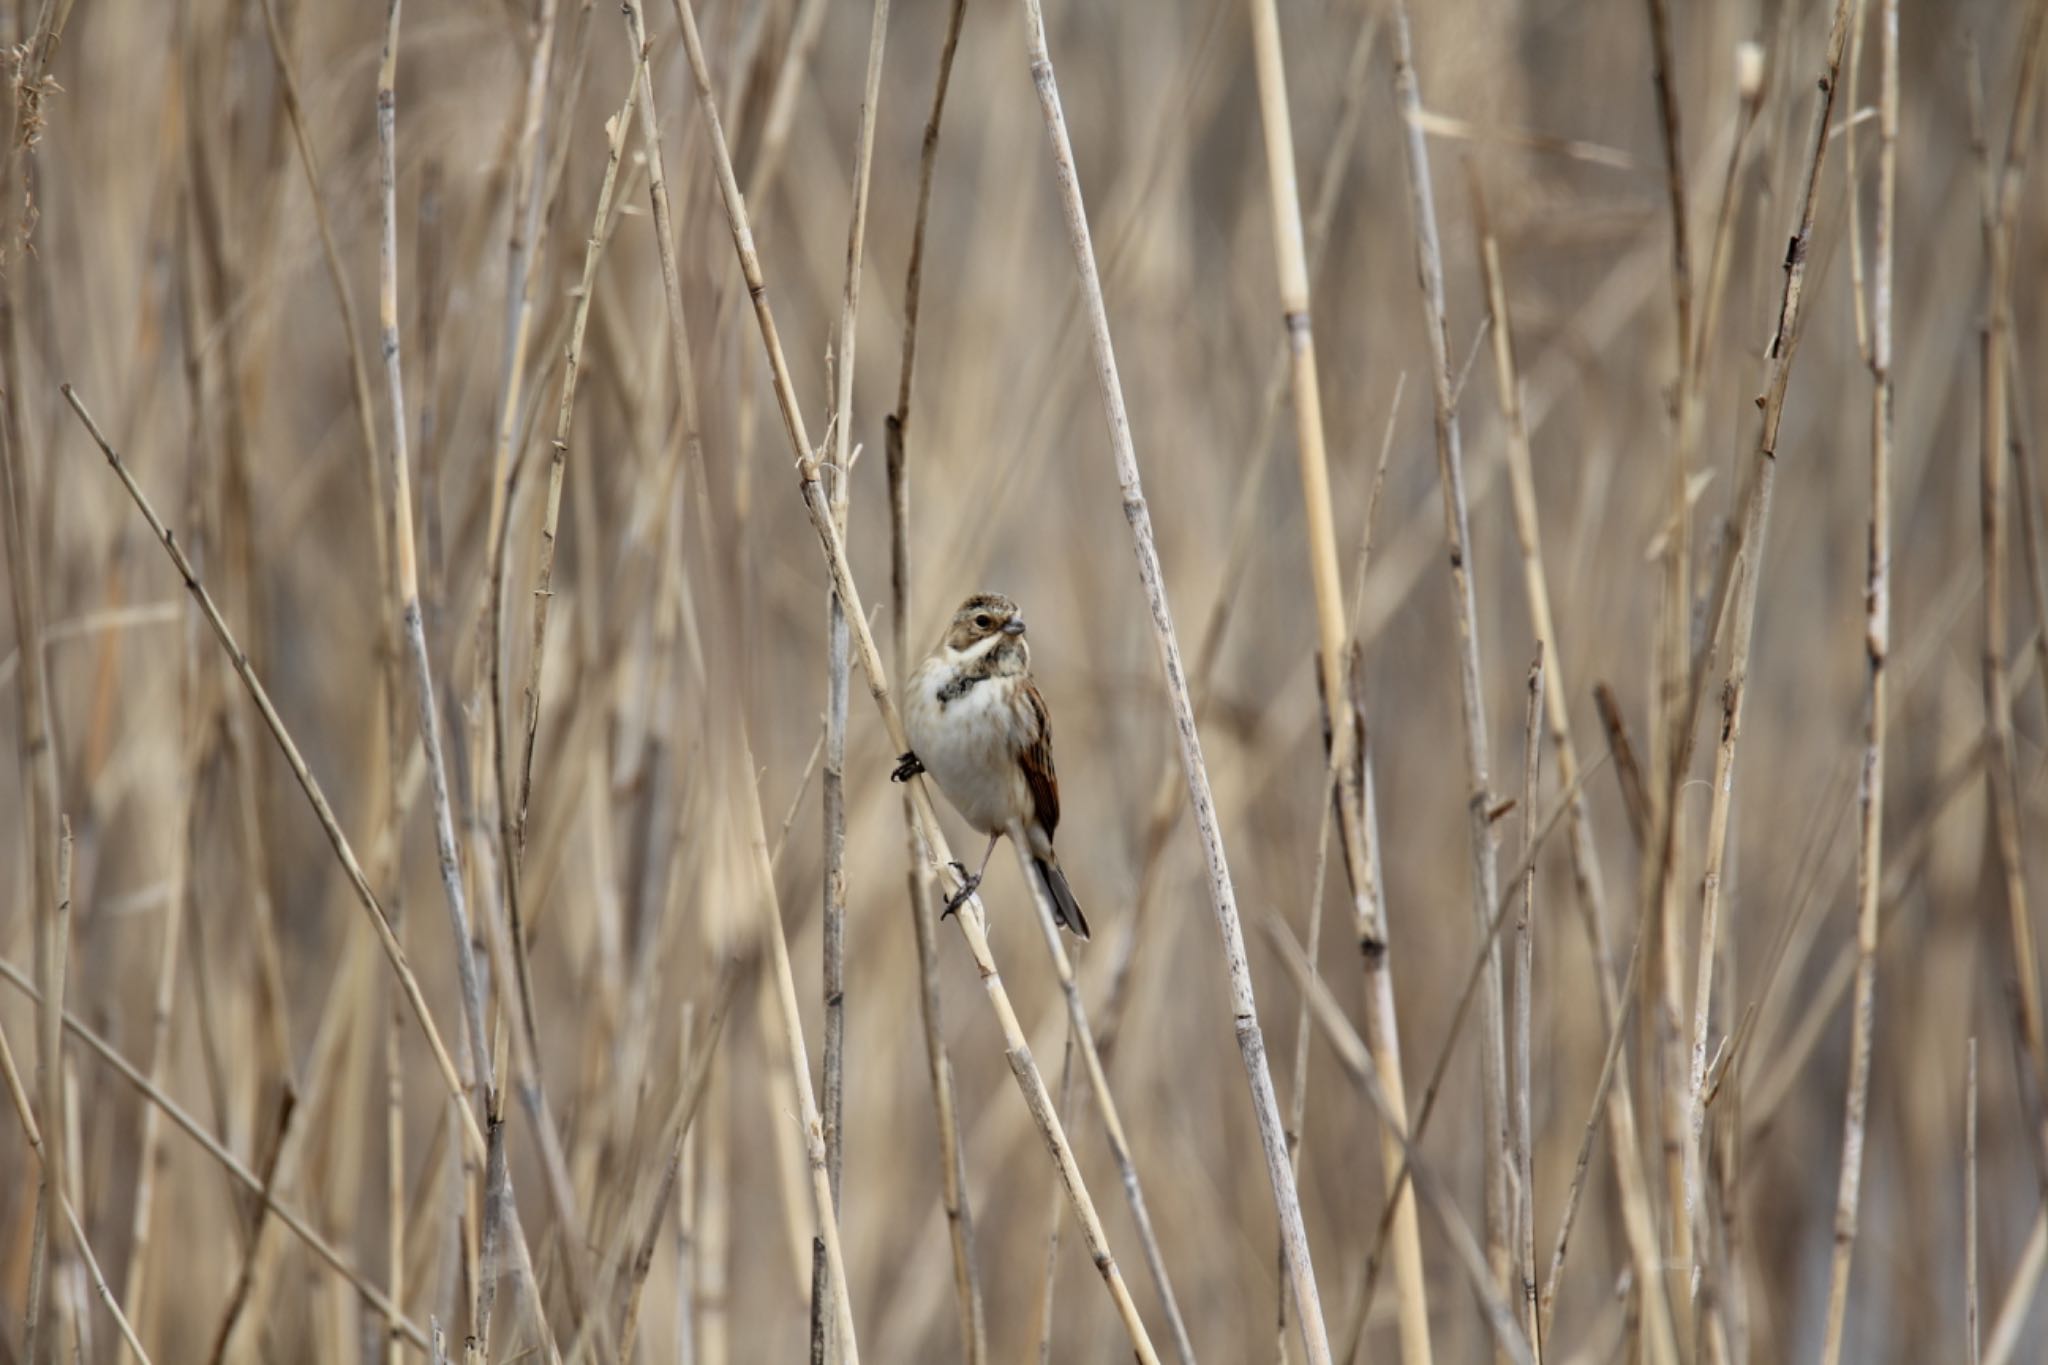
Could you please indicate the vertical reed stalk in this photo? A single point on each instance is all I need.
(1876, 644)
(923, 910)
(1497, 1154)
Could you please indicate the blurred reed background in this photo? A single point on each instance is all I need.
(239, 1029)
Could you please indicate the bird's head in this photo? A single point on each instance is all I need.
(987, 624)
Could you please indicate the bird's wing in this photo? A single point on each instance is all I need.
(1037, 761)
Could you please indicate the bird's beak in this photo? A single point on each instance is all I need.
(1014, 626)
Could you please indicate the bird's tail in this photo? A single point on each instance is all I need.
(1064, 908)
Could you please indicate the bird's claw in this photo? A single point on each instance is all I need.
(968, 886)
(908, 765)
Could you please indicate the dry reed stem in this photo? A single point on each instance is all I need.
(214, 1148)
(1638, 1218)
(1244, 1010)
(1081, 1036)
(617, 128)
(34, 1137)
(1304, 1025)
(1358, 1064)
(500, 1201)
(38, 762)
(1017, 1051)
(1496, 922)
(1876, 644)
(394, 953)
(681, 1116)
(833, 804)
(1525, 989)
(1056, 1208)
(813, 1123)
(1994, 424)
(919, 884)
(1742, 571)
(408, 572)
(1625, 1147)
(1669, 716)
(1497, 1155)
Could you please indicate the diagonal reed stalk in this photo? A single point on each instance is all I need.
(938, 853)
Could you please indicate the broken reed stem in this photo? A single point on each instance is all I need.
(1876, 643)
(1638, 1220)
(1525, 988)
(214, 1148)
(833, 803)
(1081, 1036)
(1222, 897)
(1498, 1157)
(953, 1166)
(2002, 769)
(394, 953)
(938, 853)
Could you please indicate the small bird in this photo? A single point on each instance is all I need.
(978, 725)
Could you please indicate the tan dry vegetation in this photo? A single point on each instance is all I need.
(240, 1023)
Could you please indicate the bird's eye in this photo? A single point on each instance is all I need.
(982, 622)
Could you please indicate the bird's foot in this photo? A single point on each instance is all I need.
(908, 765)
(968, 886)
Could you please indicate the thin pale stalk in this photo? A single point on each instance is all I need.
(1525, 989)
(833, 911)
(2002, 769)
(792, 1021)
(1497, 1156)
(1082, 1035)
(1056, 1209)
(1876, 643)
(1973, 1336)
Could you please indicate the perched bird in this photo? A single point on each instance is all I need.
(979, 727)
